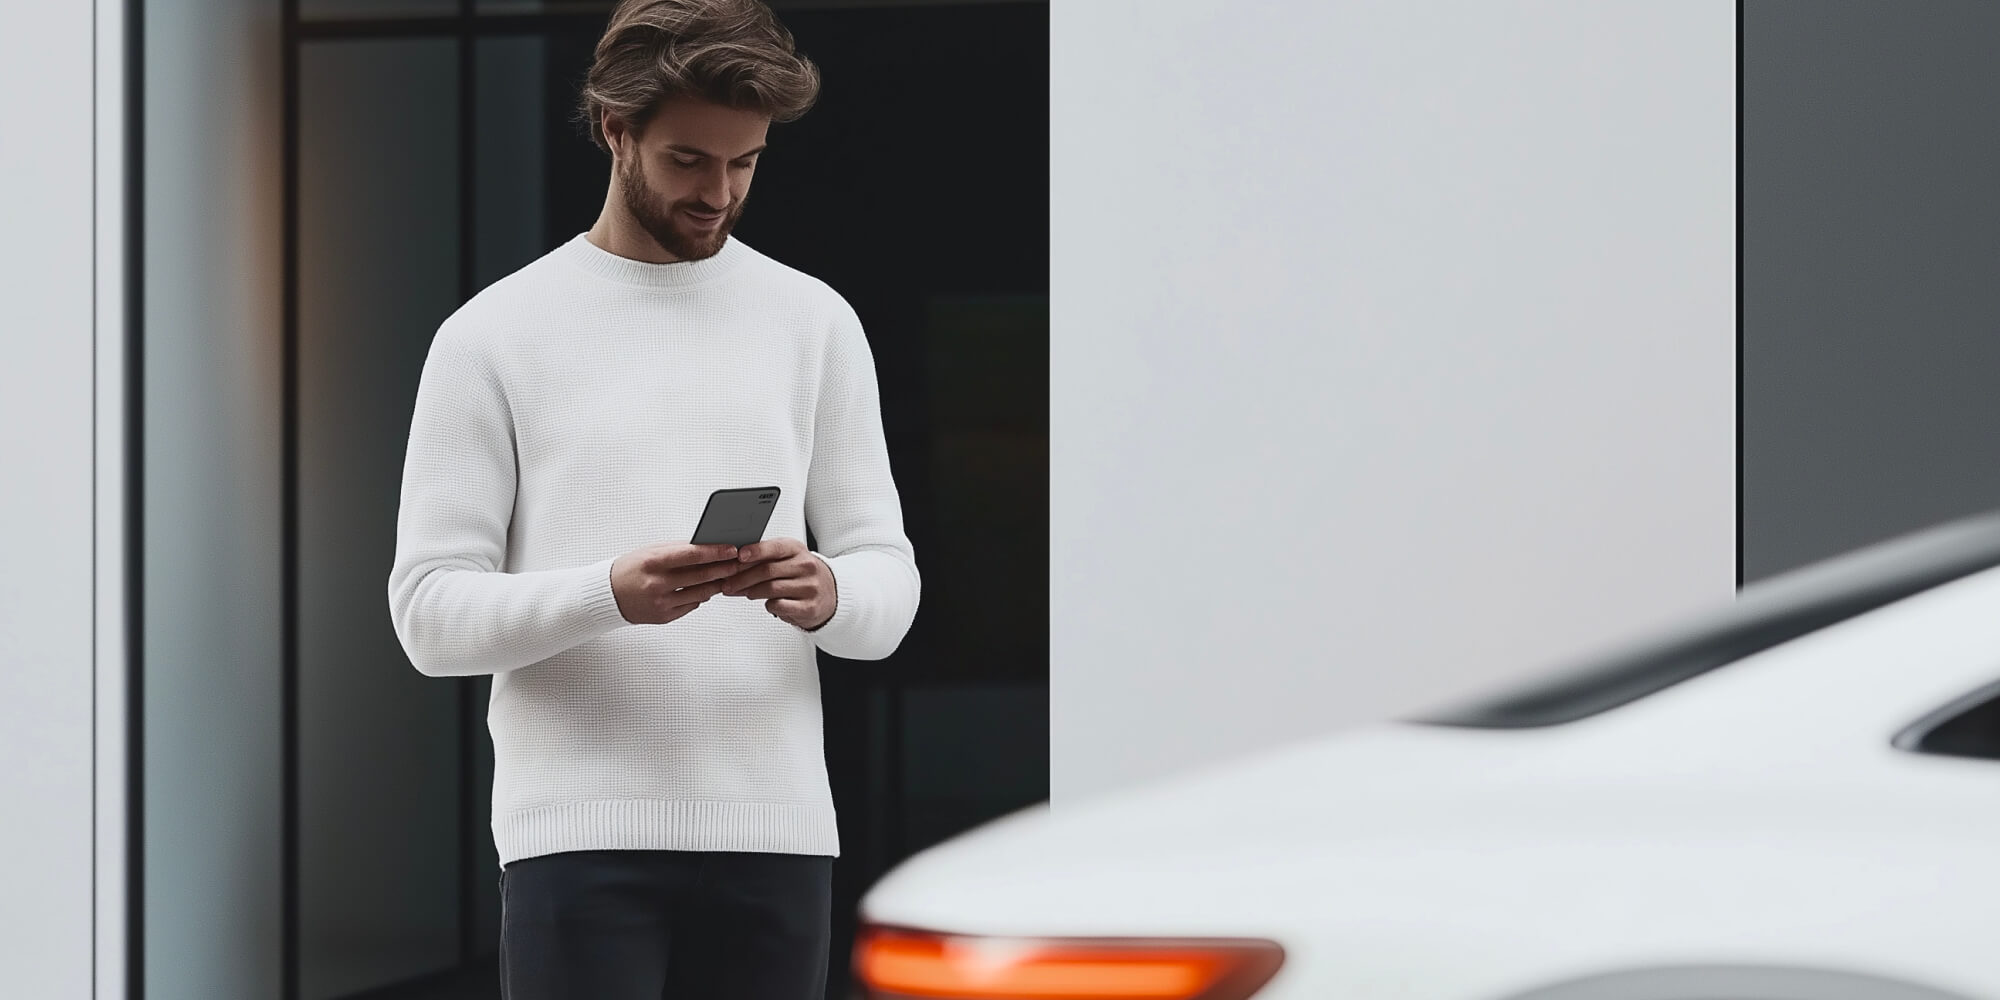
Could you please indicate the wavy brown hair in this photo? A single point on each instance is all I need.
(729, 52)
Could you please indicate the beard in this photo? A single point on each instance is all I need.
(667, 225)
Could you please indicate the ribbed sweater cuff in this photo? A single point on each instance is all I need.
(874, 600)
(597, 601)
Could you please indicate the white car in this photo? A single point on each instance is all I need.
(1794, 798)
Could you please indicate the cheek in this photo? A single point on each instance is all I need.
(659, 180)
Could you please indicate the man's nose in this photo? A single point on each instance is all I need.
(714, 192)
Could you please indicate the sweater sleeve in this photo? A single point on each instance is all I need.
(455, 611)
(852, 506)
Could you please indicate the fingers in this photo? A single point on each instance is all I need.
(771, 549)
(712, 553)
(798, 587)
(689, 576)
(690, 596)
(788, 610)
(670, 557)
(658, 605)
(676, 579)
(780, 569)
(736, 583)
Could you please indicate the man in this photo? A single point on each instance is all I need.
(660, 798)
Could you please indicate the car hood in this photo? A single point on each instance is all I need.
(1378, 813)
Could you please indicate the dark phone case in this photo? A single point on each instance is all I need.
(736, 517)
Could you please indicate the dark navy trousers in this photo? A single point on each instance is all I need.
(665, 925)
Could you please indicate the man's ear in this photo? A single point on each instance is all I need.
(615, 132)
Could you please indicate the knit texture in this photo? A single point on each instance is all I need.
(586, 406)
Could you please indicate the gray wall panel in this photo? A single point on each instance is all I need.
(378, 742)
(1871, 273)
(511, 138)
(212, 495)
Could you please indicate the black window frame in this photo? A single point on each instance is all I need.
(1933, 735)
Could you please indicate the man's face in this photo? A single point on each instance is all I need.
(684, 180)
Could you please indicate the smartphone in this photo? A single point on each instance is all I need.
(736, 517)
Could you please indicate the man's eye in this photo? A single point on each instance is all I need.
(695, 163)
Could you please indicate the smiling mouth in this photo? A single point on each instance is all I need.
(705, 219)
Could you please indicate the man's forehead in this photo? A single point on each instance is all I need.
(687, 121)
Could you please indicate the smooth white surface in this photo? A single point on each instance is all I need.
(48, 114)
(113, 640)
(1756, 814)
(1392, 354)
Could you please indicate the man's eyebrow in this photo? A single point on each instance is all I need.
(692, 151)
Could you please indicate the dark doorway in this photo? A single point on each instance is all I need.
(431, 151)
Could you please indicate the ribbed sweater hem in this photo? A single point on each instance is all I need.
(666, 825)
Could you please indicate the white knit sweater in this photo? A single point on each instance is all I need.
(585, 406)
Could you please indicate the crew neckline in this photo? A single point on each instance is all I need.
(646, 274)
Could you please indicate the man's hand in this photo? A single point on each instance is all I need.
(794, 584)
(662, 583)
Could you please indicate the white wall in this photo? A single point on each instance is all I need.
(47, 568)
(1392, 356)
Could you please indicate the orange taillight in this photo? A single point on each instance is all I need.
(893, 962)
